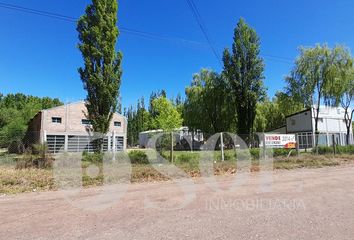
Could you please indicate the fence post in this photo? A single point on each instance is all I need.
(297, 144)
(222, 147)
(66, 142)
(334, 144)
(264, 147)
(114, 146)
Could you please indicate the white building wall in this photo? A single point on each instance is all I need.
(331, 124)
(331, 120)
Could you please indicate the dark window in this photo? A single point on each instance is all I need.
(117, 124)
(86, 122)
(56, 119)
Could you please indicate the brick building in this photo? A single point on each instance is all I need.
(66, 128)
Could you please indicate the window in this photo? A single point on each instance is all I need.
(86, 122)
(56, 119)
(117, 124)
(293, 122)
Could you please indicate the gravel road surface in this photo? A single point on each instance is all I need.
(298, 204)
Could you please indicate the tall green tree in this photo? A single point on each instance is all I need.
(16, 110)
(167, 119)
(269, 116)
(208, 107)
(315, 71)
(101, 74)
(154, 95)
(287, 104)
(243, 71)
(347, 100)
(342, 93)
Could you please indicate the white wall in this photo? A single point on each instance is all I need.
(331, 120)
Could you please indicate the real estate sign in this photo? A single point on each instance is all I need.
(287, 141)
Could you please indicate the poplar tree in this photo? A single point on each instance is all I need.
(101, 74)
(243, 72)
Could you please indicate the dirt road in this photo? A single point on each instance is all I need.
(300, 204)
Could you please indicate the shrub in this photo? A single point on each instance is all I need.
(37, 157)
(345, 149)
(323, 150)
(95, 158)
(138, 157)
(255, 153)
(281, 152)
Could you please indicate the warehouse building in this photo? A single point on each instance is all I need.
(66, 128)
(331, 126)
(184, 138)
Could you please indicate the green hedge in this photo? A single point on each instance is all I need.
(345, 149)
(339, 150)
(138, 157)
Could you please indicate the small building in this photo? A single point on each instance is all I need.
(331, 126)
(66, 128)
(183, 138)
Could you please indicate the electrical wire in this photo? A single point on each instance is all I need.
(140, 33)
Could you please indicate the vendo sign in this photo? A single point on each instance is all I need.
(287, 141)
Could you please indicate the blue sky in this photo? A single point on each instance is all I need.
(38, 55)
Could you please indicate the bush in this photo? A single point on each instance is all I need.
(345, 149)
(255, 153)
(95, 158)
(32, 161)
(339, 150)
(281, 152)
(138, 157)
(323, 150)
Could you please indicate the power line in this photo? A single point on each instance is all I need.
(278, 58)
(198, 18)
(139, 33)
(74, 20)
(37, 12)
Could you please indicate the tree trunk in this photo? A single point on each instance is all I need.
(192, 141)
(316, 123)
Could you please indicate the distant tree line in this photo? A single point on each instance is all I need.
(144, 117)
(235, 99)
(16, 110)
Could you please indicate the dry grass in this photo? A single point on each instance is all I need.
(25, 180)
(28, 180)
